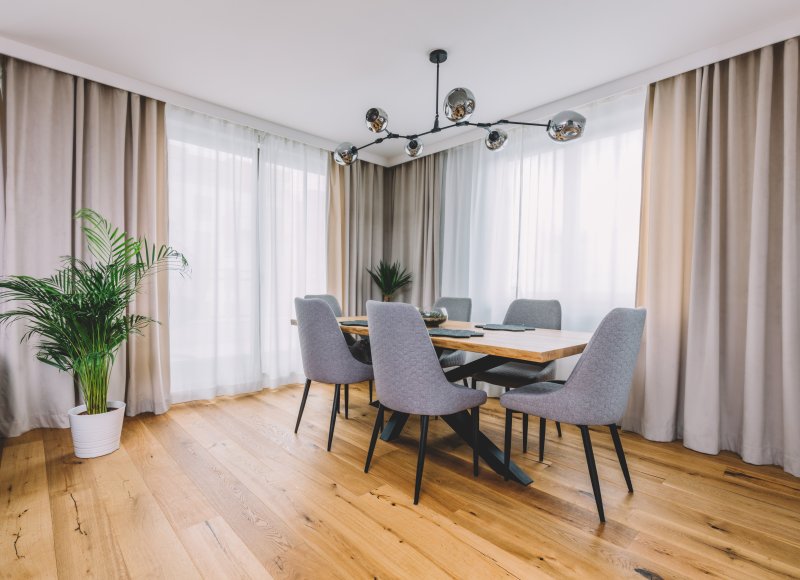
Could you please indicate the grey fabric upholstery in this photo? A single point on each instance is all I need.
(596, 392)
(457, 309)
(326, 356)
(518, 374)
(331, 301)
(452, 358)
(538, 313)
(408, 376)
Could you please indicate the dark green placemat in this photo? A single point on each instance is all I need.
(453, 333)
(508, 327)
(353, 322)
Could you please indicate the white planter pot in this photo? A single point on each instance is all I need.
(96, 435)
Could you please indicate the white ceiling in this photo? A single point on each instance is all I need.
(317, 65)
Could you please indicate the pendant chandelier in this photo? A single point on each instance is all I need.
(458, 106)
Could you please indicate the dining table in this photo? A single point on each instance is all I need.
(539, 345)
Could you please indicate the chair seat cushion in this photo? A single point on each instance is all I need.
(528, 399)
(459, 399)
(444, 399)
(517, 374)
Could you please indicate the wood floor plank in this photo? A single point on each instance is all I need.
(244, 419)
(289, 497)
(226, 489)
(182, 502)
(429, 537)
(84, 540)
(149, 545)
(211, 537)
(258, 527)
(27, 549)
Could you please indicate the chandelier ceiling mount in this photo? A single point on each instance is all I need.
(458, 106)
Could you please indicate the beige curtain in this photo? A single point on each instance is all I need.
(357, 232)
(415, 197)
(37, 141)
(120, 171)
(70, 143)
(719, 259)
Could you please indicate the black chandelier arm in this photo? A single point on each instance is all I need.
(507, 122)
(437, 129)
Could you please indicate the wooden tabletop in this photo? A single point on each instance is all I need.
(540, 345)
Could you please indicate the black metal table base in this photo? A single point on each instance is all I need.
(461, 422)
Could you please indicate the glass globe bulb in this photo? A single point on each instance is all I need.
(496, 140)
(459, 104)
(377, 120)
(414, 147)
(566, 126)
(345, 154)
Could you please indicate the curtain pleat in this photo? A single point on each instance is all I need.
(358, 233)
(249, 210)
(38, 131)
(71, 143)
(416, 193)
(719, 260)
(391, 214)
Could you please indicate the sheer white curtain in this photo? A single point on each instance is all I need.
(293, 199)
(252, 225)
(541, 219)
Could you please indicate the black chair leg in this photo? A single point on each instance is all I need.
(334, 410)
(558, 427)
(524, 432)
(378, 424)
(507, 447)
(474, 383)
(423, 439)
(338, 399)
(347, 401)
(621, 456)
(542, 436)
(464, 380)
(476, 425)
(370, 391)
(587, 447)
(302, 404)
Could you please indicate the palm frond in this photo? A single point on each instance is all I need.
(389, 277)
(79, 315)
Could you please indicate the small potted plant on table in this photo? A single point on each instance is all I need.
(80, 316)
(389, 278)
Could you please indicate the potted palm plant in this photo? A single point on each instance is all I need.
(80, 317)
(389, 278)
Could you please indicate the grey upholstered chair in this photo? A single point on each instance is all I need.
(526, 312)
(409, 378)
(326, 356)
(457, 309)
(331, 301)
(596, 392)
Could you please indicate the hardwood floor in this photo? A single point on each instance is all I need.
(225, 489)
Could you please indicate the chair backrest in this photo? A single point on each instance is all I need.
(457, 308)
(538, 313)
(602, 377)
(322, 345)
(406, 366)
(331, 301)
